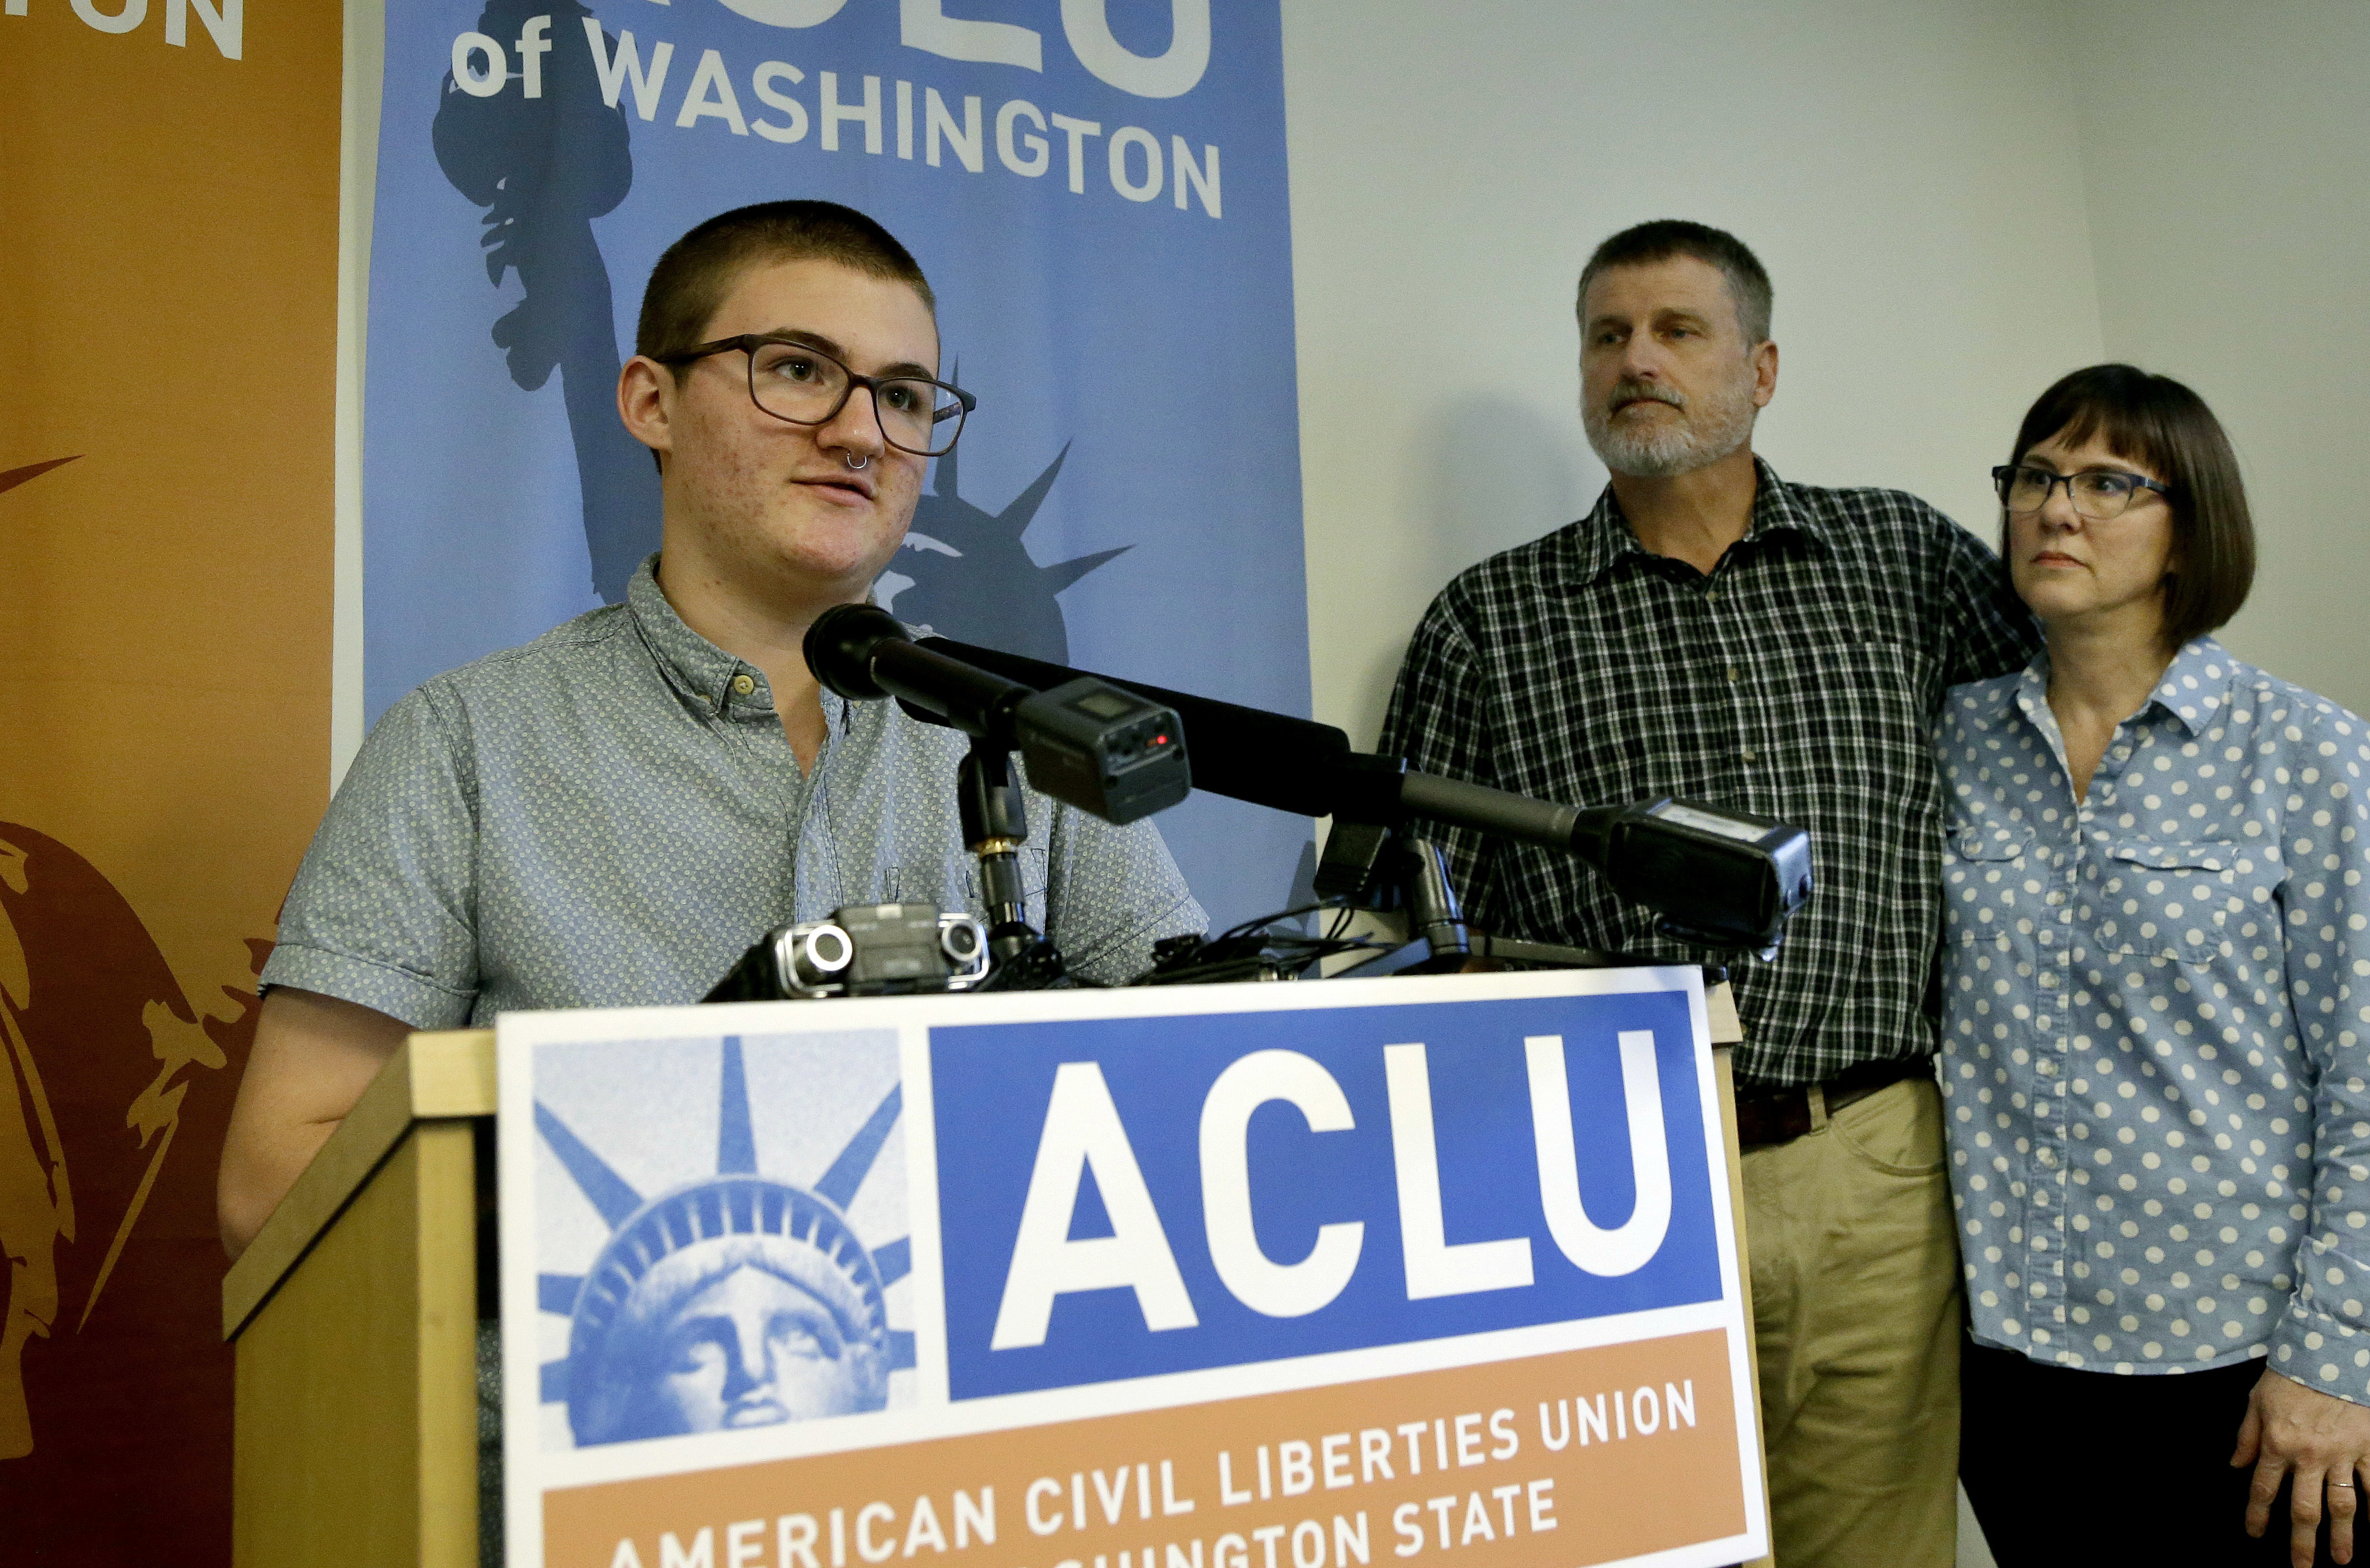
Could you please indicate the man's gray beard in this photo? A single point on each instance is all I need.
(1709, 431)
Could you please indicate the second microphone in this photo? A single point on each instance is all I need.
(1086, 742)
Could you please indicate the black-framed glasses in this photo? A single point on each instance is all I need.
(2100, 494)
(800, 384)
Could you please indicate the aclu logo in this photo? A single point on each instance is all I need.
(1124, 1197)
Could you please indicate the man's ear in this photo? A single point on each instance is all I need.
(646, 392)
(1765, 373)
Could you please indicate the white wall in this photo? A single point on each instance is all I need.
(1453, 166)
(2227, 151)
(2194, 204)
(1958, 201)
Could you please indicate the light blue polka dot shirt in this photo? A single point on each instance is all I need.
(2154, 1027)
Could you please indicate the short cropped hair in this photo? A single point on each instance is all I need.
(1748, 281)
(2160, 422)
(688, 285)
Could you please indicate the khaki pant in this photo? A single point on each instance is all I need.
(1857, 1306)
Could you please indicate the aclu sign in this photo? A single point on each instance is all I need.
(1125, 1196)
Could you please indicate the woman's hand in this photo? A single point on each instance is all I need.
(2324, 1441)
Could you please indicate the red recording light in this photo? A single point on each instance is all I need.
(1159, 740)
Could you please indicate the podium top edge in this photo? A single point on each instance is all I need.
(452, 1073)
(1720, 1014)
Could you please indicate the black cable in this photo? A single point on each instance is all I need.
(1263, 921)
(1254, 940)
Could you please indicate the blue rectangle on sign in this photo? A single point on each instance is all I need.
(1132, 1196)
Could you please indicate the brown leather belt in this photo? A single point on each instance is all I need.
(1775, 1115)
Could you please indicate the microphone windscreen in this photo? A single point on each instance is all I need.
(840, 644)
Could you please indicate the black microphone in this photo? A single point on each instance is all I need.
(1246, 753)
(1718, 878)
(1302, 766)
(1087, 742)
(862, 652)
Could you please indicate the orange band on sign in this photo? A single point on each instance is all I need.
(1586, 1456)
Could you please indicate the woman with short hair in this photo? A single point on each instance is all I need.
(2154, 1042)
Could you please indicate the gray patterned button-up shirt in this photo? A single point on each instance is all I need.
(2160, 1092)
(609, 815)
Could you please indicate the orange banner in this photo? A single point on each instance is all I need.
(1589, 1455)
(167, 349)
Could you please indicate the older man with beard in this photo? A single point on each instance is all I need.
(1711, 630)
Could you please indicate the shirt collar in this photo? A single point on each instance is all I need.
(1604, 536)
(2195, 689)
(2194, 693)
(696, 666)
(2029, 694)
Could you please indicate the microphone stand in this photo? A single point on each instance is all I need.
(1088, 744)
(995, 825)
(1384, 870)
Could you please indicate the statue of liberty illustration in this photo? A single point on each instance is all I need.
(964, 573)
(101, 1044)
(544, 167)
(735, 1300)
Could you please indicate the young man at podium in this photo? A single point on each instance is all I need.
(611, 814)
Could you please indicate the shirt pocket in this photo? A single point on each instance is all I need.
(1866, 743)
(2188, 902)
(1984, 872)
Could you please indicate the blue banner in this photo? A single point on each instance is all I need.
(1129, 1196)
(1097, 190)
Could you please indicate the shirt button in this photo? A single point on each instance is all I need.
(744, 685)
(1731, 672)
(1748, 754)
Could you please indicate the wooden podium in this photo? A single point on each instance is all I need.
(355, 1315)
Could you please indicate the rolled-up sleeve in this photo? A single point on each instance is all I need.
(383, 912)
